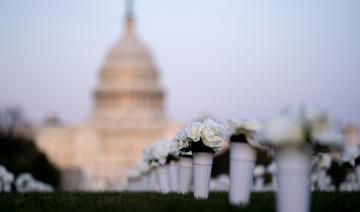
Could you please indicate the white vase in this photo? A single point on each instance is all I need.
(185, 173)
(357, 171)
(7, 187)
(259, 184)
(132, 186)
(242, 162)
(147, 182)
(321, 175)
(137, 184)
(274, 182)
(202, 174)
(163, 179)
(153, 180)
(144, 182)
(173, 176)
(293, 181)
(141, 183)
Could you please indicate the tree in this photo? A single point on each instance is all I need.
(18, 152)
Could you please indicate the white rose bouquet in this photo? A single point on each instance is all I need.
(351, 159)
(294, 133)
(185, 169)
(143, 167)
(161, 151)
(351, 155)
(164, 152)
(26, 183)
(300, 126)
(181, 143)
(322, 161)
(203, 136)
(243, 131)
(6, 179)
(203, 139)
(148, 157)
(242, 159)
(173, 152)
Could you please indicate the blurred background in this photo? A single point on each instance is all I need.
(75, 70)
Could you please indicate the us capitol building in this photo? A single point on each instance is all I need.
(128, 113)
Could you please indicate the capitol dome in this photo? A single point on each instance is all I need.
(128, 84)
(129, 65)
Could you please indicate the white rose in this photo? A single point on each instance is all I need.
(272, 168)
(312, 117)
(8, 177)
(181, 140)
(323, 160)
(193, 131)
(330, 137)
(153, 164)
(189, 153)
(283, 130)
(147, 154)
(212, 134)
(245, 126)
(173, 147)
(143, 167)
(22, 181)
(248, 127)
(161, 151)
(259, 170)
(349, 154)
(316, 118)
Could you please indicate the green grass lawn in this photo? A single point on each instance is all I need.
(339, 202)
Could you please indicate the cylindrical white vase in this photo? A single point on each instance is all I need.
(293, 181)
(173, 176)
(144, 182)
(357, 172)
(137, 185)
(140, 184)
(185, 173)
(132, 186)
(147, 181)
(322, 179)
(242, 162)
(153, 180)
(202, 173)
(7, 187)
(163, 179)
(274, 182)
(259, 184)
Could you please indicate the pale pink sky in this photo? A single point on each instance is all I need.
(229, 58)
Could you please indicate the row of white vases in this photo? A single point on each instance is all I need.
(293, 184)
(180, 179)
(292, 181)
(293, 175)
(175, 177)
(196, 171)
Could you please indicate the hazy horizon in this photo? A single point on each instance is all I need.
(225, 58)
